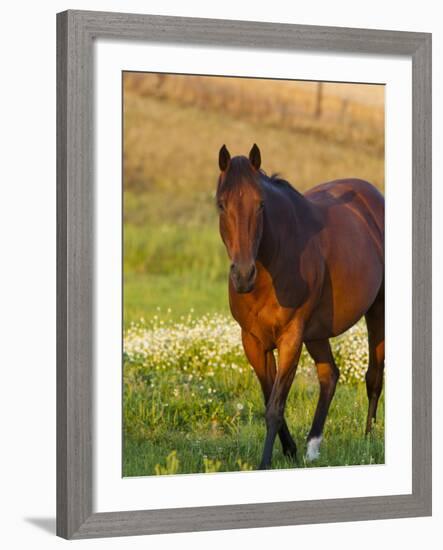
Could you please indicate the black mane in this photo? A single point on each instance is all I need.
(276, 180)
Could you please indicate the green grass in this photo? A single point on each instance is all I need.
(228, 435)
(188, 390)
(173, 266)
(173, 255)
(149, 295)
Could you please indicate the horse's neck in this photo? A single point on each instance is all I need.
(290, 220)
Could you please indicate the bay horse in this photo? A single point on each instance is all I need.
(304, 268)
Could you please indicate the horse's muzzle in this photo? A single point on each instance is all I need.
(243, 277)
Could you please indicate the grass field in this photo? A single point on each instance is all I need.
(184, 409)
(189, 391)
(202, 442)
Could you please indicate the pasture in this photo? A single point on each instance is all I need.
(191, 401)
(188, 389)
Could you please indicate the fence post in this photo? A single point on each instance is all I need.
(319, 100)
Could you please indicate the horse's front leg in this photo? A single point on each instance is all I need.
(289, 349)
(263, 362)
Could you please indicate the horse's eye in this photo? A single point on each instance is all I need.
(261, 205)
(220, 206)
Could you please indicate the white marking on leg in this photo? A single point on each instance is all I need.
(313, 450)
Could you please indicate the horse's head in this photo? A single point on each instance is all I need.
(240, 203)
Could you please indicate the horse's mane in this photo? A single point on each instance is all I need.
(276, 180)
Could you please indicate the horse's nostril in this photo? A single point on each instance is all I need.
(251, 273)
(243, 276)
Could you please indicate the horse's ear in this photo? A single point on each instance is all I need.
(223, 158)
(255, 157)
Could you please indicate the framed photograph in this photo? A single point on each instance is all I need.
(244, 274)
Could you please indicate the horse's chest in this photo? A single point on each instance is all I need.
(266, 328)
(266, 321)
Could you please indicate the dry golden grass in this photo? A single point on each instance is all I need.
(175, 125)
(343, 113)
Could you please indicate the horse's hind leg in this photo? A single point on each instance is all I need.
(375, 321)
(328, 374)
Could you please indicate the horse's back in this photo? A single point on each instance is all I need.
(356, 195)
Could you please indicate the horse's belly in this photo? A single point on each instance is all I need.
(349, 290)
(333, 318)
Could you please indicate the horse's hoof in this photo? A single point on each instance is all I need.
(291, 452)
(369, 425)
(313, 450)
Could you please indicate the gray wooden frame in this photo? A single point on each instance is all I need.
(76, 31)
